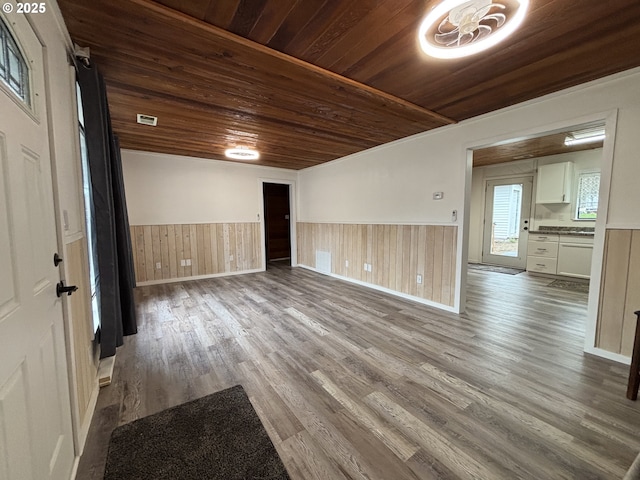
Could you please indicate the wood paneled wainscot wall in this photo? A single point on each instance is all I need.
(84, 360)
(397, 255)
(620, 291)
(169, 252)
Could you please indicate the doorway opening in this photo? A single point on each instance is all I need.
(566, 229)
(277, 223)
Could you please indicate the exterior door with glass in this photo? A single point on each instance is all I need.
(506, 221)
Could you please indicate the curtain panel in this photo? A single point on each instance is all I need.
(116, 278)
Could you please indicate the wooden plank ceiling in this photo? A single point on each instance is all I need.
(308, 81)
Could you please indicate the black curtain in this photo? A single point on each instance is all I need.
(116, 278)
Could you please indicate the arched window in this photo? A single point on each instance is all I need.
(14, 70)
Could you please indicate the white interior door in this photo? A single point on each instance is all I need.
(35, 417)
(506, 221)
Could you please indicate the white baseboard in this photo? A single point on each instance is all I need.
(385, 290)
(616, 357)
(196, 277)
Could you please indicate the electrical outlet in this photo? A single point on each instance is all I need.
(231, 258)
(188, 262)
(158, 266)
(346, 263)
(182, 264)
(365, 267)
(419, 279)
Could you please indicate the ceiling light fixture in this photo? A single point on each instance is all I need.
(590, 135)
(458, 28)
(242, 153)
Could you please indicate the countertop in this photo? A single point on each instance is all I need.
(573, 231)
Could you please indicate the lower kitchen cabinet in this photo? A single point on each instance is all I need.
(542, 253)
(574, 258)
(564, 255)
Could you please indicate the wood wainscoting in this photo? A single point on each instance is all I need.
(85, 354)
(397, 255)
(619, 291)
(211, 248)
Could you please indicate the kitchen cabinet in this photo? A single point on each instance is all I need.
(554, 183)
(542, 254)
(574, 257)
(565, 255)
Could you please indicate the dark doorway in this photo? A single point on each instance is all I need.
(277, 222)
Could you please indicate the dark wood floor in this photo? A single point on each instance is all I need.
(352, 383)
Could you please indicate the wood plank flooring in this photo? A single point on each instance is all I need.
(352, 383)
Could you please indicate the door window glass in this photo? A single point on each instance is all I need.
(14, 70)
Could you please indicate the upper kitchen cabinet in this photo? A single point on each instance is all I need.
(554, 183)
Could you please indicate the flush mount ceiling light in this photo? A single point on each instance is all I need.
(458, 28)
(242, 153)
(589, 135)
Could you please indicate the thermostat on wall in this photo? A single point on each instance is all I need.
(438, 195)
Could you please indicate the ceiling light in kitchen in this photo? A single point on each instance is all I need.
(590, 135)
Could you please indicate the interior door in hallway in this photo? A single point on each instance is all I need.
(506, 221)
(35, 417)
(277, 217)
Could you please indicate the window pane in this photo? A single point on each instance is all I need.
(587, 201)
(3, 55)
(14, 65)
(14, 70)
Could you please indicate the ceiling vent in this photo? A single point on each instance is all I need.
(147, 120)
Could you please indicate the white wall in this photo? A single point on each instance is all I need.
(167, 189)
(557, 215)
(393, 183)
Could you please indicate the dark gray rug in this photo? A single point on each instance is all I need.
(494, 268)
(217, 437)
(582, 287)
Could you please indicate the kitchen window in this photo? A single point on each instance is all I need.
(587, 198)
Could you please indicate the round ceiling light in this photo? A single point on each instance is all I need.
(242, 153)
(458, 28)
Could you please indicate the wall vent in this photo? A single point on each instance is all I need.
(147, 120)
(323, 262)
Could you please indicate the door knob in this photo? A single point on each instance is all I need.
(57, 259)
(61, 289)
